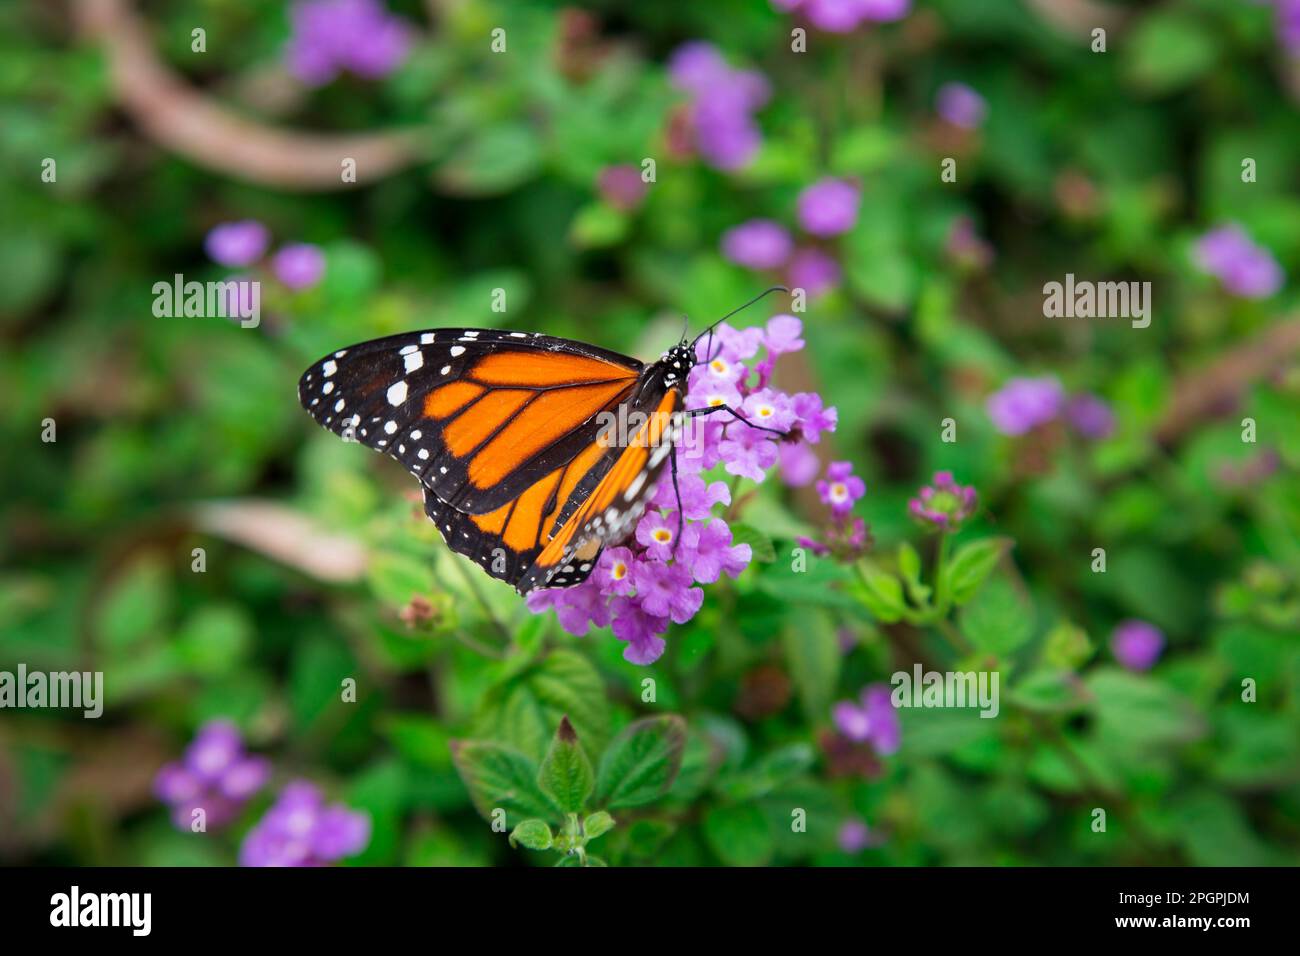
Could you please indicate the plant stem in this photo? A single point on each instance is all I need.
(479, 596)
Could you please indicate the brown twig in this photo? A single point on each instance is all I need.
(1205, 393)
(181, 119)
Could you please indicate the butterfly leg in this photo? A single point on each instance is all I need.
(700, 412)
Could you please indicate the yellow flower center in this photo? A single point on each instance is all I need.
(620, 571)
(663, 535)
(839, 492)
(719, 366)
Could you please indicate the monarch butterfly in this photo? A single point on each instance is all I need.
(504, 430)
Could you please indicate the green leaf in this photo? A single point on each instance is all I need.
(419, 739)
(532, 834)
(1170, 49)
(909, 566)
(1049, 691)
(596, 225)
(881, 592)
(524, 709)
(494, 161)
(970, 566)
(598, 824)
(998, 620)
(813, 656)
(760, 544)
(500, 777)
(566, 775)
(768, 773)
(740, 835)
(1138, 712)
(1066, 647)
(641, 762)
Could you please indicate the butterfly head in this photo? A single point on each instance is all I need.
(678, 361)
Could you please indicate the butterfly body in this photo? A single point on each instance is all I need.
(509, 434)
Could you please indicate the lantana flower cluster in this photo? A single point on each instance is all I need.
(217, 776)
(1023, 404)
(357, 36)
(1244, 268)
(845, 537)
(722, 106)
(240, 244)
(825, 209)
(651, 581)
(845, 16)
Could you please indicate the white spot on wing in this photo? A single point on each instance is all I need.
(397, 393)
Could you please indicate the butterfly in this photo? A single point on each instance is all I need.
(509, 433)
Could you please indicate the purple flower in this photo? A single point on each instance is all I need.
(613, 573)
(664, 590)
(814, 271)
(1025, 403)
(1090, 416)
(841, 487)
(577, 608)
(767, 408)
(639, 629)
(829, 207)
(853, 836)
(695, 66)
(798, 463)
(1136, 644)
(782, 334)
(811, 417)
(300, 830)
(656, 533)
(757, 244)
(1288, 26)
(943, 504)
(237, 244)
(1245, 269)
(215, 775)
(722, 103)
(697, 496)
(707, 550)
(747, 452)
(622, 186)
(299, 265)
(329, 36)
(870, 719)
(960, 105)
(843, 16)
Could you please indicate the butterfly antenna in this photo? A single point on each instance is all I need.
(760, 296)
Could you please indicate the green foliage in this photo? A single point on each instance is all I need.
(331, 624)
(638, 768)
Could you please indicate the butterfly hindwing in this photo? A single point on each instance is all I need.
(478, 415)
(608, 502)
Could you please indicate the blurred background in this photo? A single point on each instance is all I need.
(173, 519)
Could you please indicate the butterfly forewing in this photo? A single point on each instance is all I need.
(505, 430)
(478, 415)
